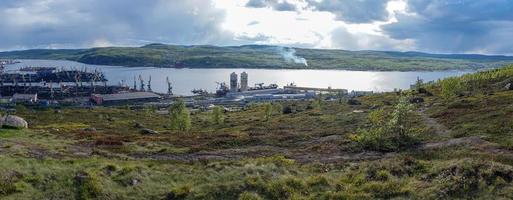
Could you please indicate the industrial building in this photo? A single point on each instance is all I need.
(280, 97)
(124, 98)
(360, 93)
(24, 98)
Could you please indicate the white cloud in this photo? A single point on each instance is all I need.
(424, 25)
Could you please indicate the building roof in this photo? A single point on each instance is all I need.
(24, 96)
(128, 96)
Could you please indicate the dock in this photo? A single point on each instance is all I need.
(331, 90)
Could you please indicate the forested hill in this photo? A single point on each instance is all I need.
(263, 56)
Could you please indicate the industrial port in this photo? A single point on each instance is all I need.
(50, 86)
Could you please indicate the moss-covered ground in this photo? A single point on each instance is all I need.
(309, 153)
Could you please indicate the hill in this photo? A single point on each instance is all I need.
(455, 144)
(263, 56)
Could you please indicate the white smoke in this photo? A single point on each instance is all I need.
(289, 54)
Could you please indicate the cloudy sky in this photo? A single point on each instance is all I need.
(439, 26)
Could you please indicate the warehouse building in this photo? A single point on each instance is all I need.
(124, 98)
(24, 98)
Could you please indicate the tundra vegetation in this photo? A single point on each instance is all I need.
(387, 146)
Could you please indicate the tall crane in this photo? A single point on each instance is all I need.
(169, 87)
(141, 80)
(149, 84)
(135, 84)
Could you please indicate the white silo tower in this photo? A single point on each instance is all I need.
(243, 81)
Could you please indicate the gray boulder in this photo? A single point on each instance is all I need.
(89, 129)
(147, 131)
(13, 121)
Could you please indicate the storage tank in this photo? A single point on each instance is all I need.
(233, 82)
(244, 81)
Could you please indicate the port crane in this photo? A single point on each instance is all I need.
(169, 87)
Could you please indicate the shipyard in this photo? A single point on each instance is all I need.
(52, 86)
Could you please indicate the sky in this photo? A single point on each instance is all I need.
(436, 26)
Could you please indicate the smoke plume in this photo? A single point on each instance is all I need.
(289, 54)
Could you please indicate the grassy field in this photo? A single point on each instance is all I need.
(256, 56)
(463, 150)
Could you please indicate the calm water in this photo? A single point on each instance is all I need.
(184, 80)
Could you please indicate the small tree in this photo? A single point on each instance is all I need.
(340, 96)
(217, 115)
(418, 84)
(268, 111)
(279, 109)
(180, 116)
(319, 100)
(151, 109)
(389, 132)
(451, 87)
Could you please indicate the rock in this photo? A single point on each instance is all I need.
(147, 131)
(287, 110)
(374, 107)
(90, 129)
(508, 86)
(134, 182)
(417, 100)
(138, 125)
(13, 121)
(353, 102)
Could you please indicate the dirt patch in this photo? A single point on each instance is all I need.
(439, 129)
(474, 140)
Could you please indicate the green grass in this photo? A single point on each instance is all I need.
(266, 178)
(308, 153)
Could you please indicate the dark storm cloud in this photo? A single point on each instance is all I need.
(81, 23)
(457, 26)
(353, 11)
(274, 4)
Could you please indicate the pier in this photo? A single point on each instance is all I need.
(331, 90)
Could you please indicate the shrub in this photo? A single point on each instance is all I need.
(249, 196)
(88, 186)
(287, 110)
(451, 87)
(268, 111)
(217, 115)
(180, 116)
(469, 179)
(389, 135)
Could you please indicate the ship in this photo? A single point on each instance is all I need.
(260, 86)
(199, 92)
(53, 76)
(37, 69)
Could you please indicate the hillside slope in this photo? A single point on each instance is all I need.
(463, 149)
(261, 56)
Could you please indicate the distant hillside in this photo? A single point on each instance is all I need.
(262, 56)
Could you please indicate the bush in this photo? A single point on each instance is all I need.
(469, 179)
(287, 110)
(180, 116)
(249, 196)
(389, 135)
(217, 115)
(268, 111)
(451, 87)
